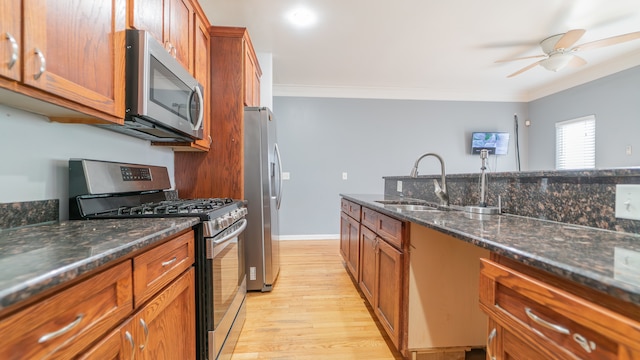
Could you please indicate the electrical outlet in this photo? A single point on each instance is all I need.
(628, 201)
(286, 176)
(344, 176)
(399, 186)
(628, 150)
(626, 264)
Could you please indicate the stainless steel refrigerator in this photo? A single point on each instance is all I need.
(263, 192)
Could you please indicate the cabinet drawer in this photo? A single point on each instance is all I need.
(159, 266)
(553, 316)
(64, 324)
(352, 209)
(387, 227)
(390, 229)
(370, 218)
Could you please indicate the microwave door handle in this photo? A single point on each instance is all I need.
(197, 92)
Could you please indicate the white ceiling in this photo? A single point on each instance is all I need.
(429, 49)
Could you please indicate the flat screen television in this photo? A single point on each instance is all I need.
(496, 142)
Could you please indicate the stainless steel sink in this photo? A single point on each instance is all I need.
(410, 207)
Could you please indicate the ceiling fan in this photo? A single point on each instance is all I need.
(558, 50)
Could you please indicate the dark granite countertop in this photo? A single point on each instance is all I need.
(34, 259)
(604, 260)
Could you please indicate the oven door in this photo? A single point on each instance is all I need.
(227, 287)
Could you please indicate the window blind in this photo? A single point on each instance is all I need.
(576, 143)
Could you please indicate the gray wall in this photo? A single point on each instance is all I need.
(320, 138)
(615, 102)
(35, 153)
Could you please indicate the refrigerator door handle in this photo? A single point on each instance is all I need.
(279, 195)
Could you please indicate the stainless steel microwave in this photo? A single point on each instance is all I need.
(164, 101)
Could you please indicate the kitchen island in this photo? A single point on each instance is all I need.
(593, 264)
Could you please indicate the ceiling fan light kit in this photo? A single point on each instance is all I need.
(559, 51)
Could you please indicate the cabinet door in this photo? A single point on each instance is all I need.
(165, 328)
(201, 73)
(75, 49)
(118, 345)
(388, 294)
(11, 39)
(248, 78)
(148, 15)
(354, 247)
(179, 29)
(344, 236)
(368, 241)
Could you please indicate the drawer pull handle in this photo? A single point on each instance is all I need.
(548, 325)
(55, 334)
(43, 64)
(169, 262)
(14, 50)
(492, 335)
(587, 345)
(133, 344)
(146, 334)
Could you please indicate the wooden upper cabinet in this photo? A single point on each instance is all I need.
(171, 22)
(179, 30)
(252, 74)
(75, 49)
(11, 37)
(201, 73)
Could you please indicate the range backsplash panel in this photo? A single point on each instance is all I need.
(18, 214)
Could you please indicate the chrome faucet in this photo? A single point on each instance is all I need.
(441, 191)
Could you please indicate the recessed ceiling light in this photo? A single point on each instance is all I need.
(302, 17)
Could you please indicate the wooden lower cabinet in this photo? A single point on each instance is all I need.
(350, 237)
(367, 276)
(97, 318)
(381, 275)
(388, 289)
(537, 315)
(162, 329)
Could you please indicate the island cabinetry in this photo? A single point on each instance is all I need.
(108, 315)
(381, 273)
(537, 311)
(68, 54)
(350, 236)
(220, 172)
(443, 315)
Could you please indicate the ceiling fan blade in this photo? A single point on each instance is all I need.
(569, 38)
(608, 41)
(577, 61)
(521, 58)
(525, 69)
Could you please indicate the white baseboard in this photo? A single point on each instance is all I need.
(310, 237)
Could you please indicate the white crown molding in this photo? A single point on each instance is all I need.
(390, 93)
(589, 74)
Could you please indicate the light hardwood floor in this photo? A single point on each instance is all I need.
(313, 312)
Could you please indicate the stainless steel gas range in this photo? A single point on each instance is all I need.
(107, 190)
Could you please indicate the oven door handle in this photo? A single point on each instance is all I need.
(215, 246)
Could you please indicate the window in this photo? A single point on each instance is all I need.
(576, 143)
